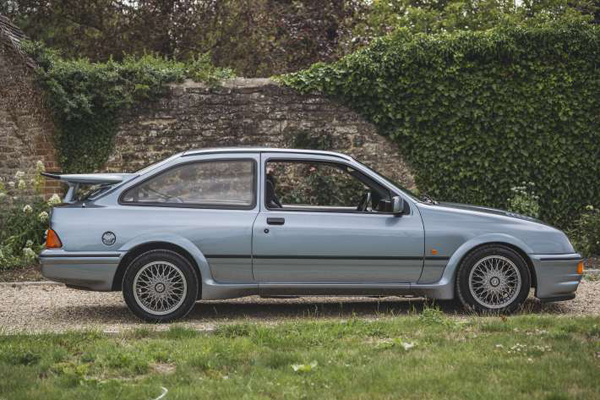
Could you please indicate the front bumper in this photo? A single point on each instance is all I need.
(556, 275)
(83, 270)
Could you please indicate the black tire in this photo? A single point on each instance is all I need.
(184, 294)
(505, 303)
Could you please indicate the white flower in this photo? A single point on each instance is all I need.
(11, 184)
(39, 166)
(43, 216)
(22, 185)
(19, 175)
(29, 243)
(2, 195)
(54, 200)
(28, 253)
(27, 209)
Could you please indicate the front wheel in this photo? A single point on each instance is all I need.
(493, 279)
(160, 286)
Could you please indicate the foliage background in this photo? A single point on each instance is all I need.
(24, 218)
(478, 113)
(255, 38)
(260, 37)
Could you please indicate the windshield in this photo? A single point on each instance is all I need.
(393, 183)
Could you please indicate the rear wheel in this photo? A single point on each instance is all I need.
(493, 279)
(160, 286)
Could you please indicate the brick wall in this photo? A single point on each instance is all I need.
(247, 112)
(25, 124)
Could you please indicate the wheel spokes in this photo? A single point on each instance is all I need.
(494, 281)
(159, 287)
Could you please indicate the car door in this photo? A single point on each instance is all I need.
(319, 245)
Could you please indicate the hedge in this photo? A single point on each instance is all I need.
(477, 113)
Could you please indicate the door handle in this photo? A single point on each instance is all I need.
(275, 221)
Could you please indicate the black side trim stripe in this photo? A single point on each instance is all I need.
(228, 256)
(265, 257)
(561, 259)
(71, 255)
(283, 257)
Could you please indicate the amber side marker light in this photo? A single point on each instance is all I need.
(580, 268)
(52, 240)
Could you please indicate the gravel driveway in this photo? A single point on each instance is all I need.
(54, 308)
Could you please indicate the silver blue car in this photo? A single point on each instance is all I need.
(225, 223)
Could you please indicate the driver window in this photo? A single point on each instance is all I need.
(216, 183)
(310, 185)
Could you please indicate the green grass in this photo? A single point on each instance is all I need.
(523, 357)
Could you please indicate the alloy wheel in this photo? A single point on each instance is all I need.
(495, 282)
(159, 287)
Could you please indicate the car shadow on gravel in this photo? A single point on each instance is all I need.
(271, 310)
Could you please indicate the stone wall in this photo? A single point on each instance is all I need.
(248, 112)
(25, 124)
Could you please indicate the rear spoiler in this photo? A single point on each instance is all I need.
(75, 180)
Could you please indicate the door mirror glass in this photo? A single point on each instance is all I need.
(397, 205)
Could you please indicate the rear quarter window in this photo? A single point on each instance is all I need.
(219, 183)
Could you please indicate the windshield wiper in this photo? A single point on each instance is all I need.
(428, 199)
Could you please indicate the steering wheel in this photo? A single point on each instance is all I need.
(364, 202)
(165, 197)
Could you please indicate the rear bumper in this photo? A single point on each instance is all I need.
(92, 271)
(557, 277)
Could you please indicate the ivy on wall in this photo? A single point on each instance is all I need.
(85, 97)
(477, 113)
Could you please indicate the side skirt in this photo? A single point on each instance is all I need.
(212, 290)
(334, 289)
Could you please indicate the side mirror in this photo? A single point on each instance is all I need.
(397, 206)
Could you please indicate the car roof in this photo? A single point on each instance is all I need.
(263, 150)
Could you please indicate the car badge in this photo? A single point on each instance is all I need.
(109, 238)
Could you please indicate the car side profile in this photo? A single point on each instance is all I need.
(232, 222)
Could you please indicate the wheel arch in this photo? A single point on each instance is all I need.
(135, 250)
(472, 245)
(516, 249)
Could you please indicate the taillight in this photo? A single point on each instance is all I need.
(52, 240)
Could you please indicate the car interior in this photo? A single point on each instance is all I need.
(322, 186)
